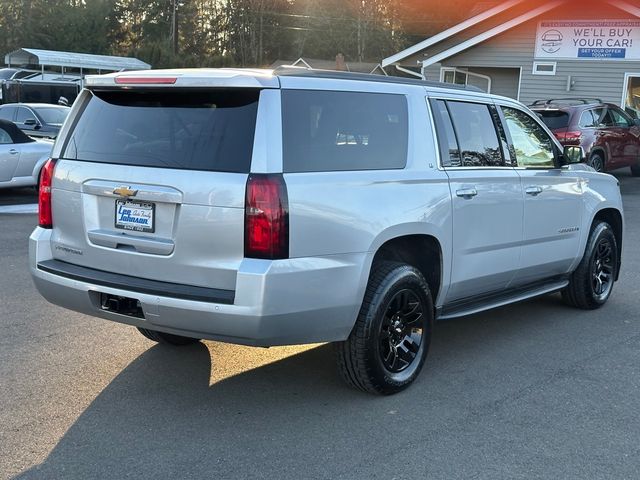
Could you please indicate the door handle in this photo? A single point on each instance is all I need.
(467, 192)
(13, 151)
(533, 190)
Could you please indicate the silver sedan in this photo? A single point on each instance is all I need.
(21, 157)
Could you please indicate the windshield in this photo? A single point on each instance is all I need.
(53, 115)
(186, 129)
(554, 119)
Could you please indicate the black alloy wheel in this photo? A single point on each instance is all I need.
(602, 269)
(401, 332)
(597, 162)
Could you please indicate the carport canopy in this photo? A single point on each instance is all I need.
(51, 58)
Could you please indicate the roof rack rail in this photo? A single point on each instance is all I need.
(294, 71)
(583, 101)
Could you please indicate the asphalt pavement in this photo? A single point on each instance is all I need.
(534, 390)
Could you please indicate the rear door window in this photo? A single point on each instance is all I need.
(209, 130)
(336, 131)
(476, 133)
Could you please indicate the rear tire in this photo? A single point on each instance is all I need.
(389, 343)
(596, 160)
(591, 283)
(167, 338)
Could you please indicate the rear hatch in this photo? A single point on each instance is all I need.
(556, 120)
(150, 182)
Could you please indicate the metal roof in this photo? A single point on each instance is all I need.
(51, 58)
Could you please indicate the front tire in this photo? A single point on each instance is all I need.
(591, 283)
(167, 338)
(389, 343)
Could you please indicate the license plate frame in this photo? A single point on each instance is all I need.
(139, 210)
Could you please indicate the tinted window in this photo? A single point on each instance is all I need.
(332, 131)
(554, 119)
(24, 114)
(6, 113)
(4, 137)
(191, 130)
(533, 147)
(476, 135)
(449, 150)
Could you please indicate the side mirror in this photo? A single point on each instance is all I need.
(31, 122)
(573, 154)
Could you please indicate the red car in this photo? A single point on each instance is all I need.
(609, 137)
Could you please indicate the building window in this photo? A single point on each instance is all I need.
(458, 76)
(544, 68)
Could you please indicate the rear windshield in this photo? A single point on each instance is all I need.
(554, 119)
(191, 130)
(333, 131)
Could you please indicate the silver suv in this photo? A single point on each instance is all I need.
(293, 206)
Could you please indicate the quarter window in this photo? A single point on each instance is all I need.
(588, 119)
(5, 138)
(533, 147)
(476, 134)
(336, 131)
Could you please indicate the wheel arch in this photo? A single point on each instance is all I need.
(602, 151)
(420, 250)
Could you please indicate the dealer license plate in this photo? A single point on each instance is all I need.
(133, 215)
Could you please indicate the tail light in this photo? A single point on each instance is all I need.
(571, 136)
(45, 219)
(266, 218)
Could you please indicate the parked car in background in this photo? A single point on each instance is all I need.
(36, 119)
(21, 157)
(608, 136)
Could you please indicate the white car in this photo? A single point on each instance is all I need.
(21, 157)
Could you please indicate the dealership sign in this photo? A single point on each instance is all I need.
(589, 39)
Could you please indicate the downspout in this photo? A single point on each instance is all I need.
(410, 72)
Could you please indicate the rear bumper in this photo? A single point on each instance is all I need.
(284, 302)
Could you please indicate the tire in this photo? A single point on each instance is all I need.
(167, 338)
(591, 284)
(389, 343)
(596, 160)
(635, 170)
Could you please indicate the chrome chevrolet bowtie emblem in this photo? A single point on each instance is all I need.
(125, 191)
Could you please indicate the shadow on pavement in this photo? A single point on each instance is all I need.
(160, 417)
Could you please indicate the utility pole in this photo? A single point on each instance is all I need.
(174, 26)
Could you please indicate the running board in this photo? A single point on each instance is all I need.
(476, 305)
